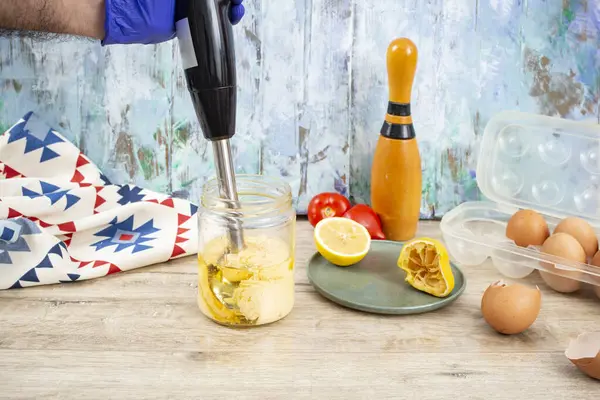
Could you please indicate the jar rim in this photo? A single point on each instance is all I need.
(271, 193)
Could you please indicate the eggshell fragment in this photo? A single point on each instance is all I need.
(565, 246)
(510, 309)
(527, 228)
(582, 231)
(584, 353)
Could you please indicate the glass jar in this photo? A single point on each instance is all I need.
(254, 286)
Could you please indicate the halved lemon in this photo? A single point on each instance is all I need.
(342, 241)
(427, 266)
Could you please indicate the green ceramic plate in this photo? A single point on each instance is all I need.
(376, 284)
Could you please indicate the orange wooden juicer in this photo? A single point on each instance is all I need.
(396, 171)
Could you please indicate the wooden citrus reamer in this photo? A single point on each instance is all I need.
(396, 170)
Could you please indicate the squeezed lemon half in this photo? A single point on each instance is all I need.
(342, 241)
(427, 266)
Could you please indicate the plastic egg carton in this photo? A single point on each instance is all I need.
(528, 161)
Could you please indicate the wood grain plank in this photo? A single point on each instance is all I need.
(449, 134)
(138, 114)
(535, 56)
(192, 153)
(478, 57)
(62, 81)
(324, 140)
(283, 88)
(168, 293)
(315, 325)
(140, 335)
(268, 375)
(375, 26)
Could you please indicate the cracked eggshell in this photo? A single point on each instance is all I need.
(584, 353)
(510, 309)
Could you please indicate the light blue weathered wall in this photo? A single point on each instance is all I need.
(312, 91)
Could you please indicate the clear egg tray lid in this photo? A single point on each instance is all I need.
(544, 163)
(528, 161)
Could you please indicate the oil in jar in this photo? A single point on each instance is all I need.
(252, 287)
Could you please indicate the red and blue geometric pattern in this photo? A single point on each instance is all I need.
(52, 193)
(37, 135)
(130, 194)
(63, 221)
(12, 237)
(123, 235)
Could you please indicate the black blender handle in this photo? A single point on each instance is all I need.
(208, 57)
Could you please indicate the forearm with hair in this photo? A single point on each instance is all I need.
(71, 17)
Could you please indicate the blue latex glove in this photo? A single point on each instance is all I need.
(148, 21)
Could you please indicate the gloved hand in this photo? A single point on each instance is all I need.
(148, 21)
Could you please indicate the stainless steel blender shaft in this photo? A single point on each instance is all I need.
(228, 192)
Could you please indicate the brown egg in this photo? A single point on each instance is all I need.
(510, 309)
(582, 231)
(584, 353)
(562, 284)
(597, 291)
(527, 228)
(565, 246)
(596, 263)
(596, 259)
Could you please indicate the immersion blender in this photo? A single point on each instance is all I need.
(207, 54)
(396, 170)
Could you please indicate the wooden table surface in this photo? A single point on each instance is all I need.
(140, 335)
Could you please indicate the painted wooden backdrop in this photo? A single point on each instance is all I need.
(312, 91)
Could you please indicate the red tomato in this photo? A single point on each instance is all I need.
(364, 215)
(327, 205)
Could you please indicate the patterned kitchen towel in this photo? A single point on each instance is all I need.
(61, 220)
